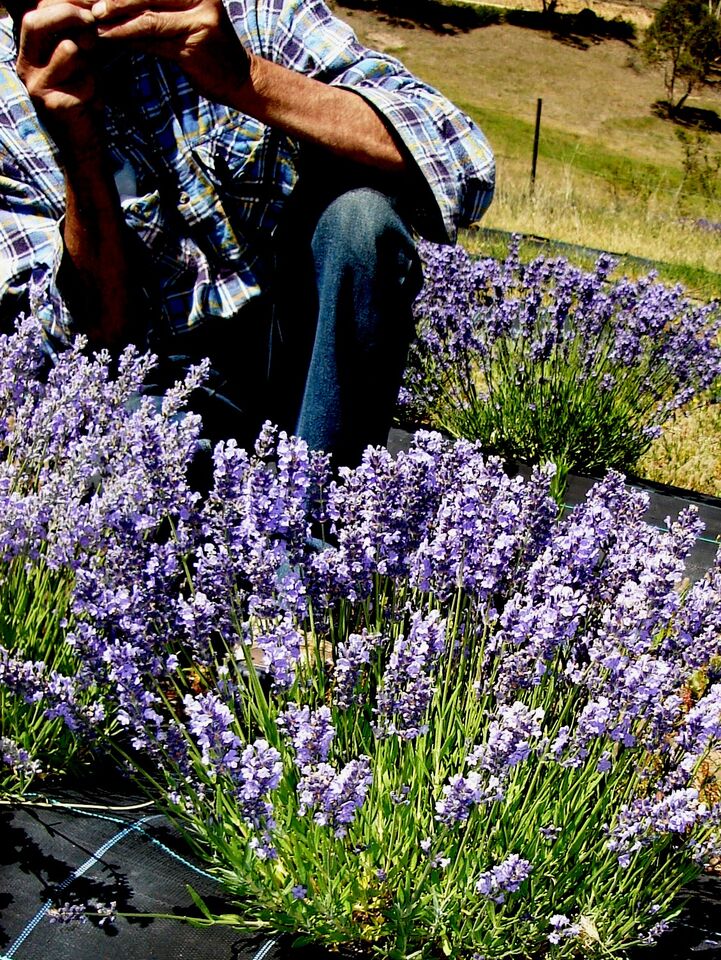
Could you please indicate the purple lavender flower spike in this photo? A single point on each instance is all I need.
(281, 647)
(701, 728)
(642, 820)
(211, 723)
(507, 877)
(67, 914)
(562, 928)
(407, 686)
(18, 759)
(352, 656)
(259, 772)
(310, 732)
(460, 795)
(510, 740)
(335, 796)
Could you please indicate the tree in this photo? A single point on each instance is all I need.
(685, 37)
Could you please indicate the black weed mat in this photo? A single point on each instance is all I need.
(57, 856)
(64, 855)
(101, 841)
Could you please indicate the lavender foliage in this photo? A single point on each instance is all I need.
(399, 738)
(547, 361)
(88, 469)
(498, 662)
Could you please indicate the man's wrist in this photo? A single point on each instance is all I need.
(79, 137)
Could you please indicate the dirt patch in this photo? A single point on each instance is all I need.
(385, 41)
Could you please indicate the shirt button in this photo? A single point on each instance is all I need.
(184, 198)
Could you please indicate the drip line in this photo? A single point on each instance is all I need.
(154, 840)
(75, 807)
(78, 872)
(265, 949)
(136, 827)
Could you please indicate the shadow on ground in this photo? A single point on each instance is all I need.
(577, 29)
(696, 118)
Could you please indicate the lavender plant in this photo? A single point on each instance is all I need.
(546, 361)
(83, 464)
(464, 728)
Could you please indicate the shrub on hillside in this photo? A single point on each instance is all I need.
(685, 39)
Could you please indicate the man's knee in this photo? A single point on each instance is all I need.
(362, 229)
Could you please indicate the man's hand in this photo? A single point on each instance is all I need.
(55, 64)
(196, 34)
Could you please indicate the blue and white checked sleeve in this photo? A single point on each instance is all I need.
(449, 150)
(31, 205)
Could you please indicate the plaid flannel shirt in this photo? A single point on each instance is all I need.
(209, 183)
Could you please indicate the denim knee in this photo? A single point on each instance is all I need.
(362, 230)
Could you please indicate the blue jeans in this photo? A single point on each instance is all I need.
(323, 356)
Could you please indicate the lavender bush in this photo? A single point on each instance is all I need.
(546, 361)
(462, 728)
(83, 463)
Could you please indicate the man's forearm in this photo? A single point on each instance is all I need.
(55, 62)
(198, 35)
(98, 280)
(334, 118)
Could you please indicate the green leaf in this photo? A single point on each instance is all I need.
(199, 903)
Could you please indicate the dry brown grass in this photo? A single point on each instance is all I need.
(600, 92)
(688, 455)
(582, 211)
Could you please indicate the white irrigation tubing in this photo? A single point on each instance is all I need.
(265, 949)
(75, 806)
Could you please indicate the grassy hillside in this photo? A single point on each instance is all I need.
(611, 170)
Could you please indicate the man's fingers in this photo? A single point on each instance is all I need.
(110, 10)
(65, 81)
(42, 27)
(44, 4)
(64, 64)
(148, 25)
(143, 23)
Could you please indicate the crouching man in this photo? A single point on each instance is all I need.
(241, 180)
